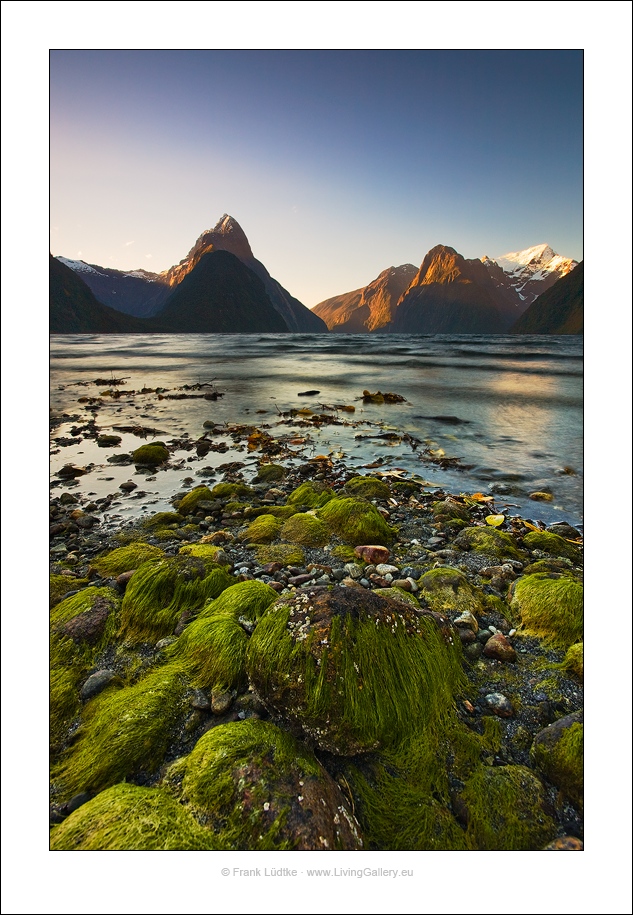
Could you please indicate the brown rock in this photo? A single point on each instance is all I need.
(124, 577)
(89, 626)
(220, 702)
(373, 554)
(499, 648)
(565, 843)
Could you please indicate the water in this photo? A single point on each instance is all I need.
(510, 407)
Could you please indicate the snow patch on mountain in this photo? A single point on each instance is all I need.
(78, 266)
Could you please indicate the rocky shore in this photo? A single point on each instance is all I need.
(314, 660)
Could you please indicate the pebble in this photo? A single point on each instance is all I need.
(96, 683)
(298, 580)
(499, 648)
(128, 486)
(200, 700)
(385, 569)
(499, 704)
(220, 702)
(354, 570)
(467, 620)
(403, 583)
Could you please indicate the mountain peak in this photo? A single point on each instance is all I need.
(226, 225)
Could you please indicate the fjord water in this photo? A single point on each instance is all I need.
(509, 406)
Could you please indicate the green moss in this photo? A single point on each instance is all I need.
(261, 789)
(129, 818)
(153, 454)
(68, 667)
(560, 566)
(163, 519)
(356, 522)
(286, 554)
(507, 810)
(161, 590)
(189, 503)
(344, 553)
(557, 752)
(368, 488)
(496, 544)
(553, 544)
(269, 473)
(305, 529)
(224, 490)
(213, 647)
(406, 488)
(202, 551)
(126, 558)
(263, 529)
(551, 608)
(574, 660)
(447, 590)
(310, 495)
(124, 732)
(278, 511)
(59, 585)
(354, 670)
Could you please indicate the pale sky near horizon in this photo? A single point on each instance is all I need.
(336, 164)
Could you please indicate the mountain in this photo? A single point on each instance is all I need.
(450, 295)
(527, 274)
(220, 295)
(73, 308)
(136, 292)
(144, 294)
(370, 308)
(229, 236)
(558, 310)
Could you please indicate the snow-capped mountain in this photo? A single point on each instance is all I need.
(528, 273)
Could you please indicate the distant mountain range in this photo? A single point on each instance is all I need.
(448, 294)
(220, 287)
(559, 310)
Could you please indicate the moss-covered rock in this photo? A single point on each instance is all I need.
(129, 818)
(448, 509)
(549, 565)
(160, 591)
(269, 473)
(88, 617)
(227, 490)
(448, 590)
(151, 454)
(310, 495)
(496, 544)
(551, 543)
(506, 810)
(305, 529)
(204, 551)
(263, 529)
(344, 553)
(557, 752)
(356, 522)
(574, 660)
(368, 488)
(261, 789)
(398, 594)
(189, 503)
(549, 606)
(213, 647)
(163, 519)
(124, 732)
(126, 558)
(353, 670)
(285, 553)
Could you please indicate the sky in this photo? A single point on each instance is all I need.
(336, 163)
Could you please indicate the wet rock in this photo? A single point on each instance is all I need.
(372, 553)
(541, 496)
(128, 486)
(564, 530)
(473, 651)
(499, 648)
(200, 700)
(71, 471)
(123, 579)
(466, 636)
(403, 583)
(221, 701)
(467, 620)
(90, 625)
(499, 704)
(77, 801)
(96, 683)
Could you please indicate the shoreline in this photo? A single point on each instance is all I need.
(440, 559)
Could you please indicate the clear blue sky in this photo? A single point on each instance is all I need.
(336, 164)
